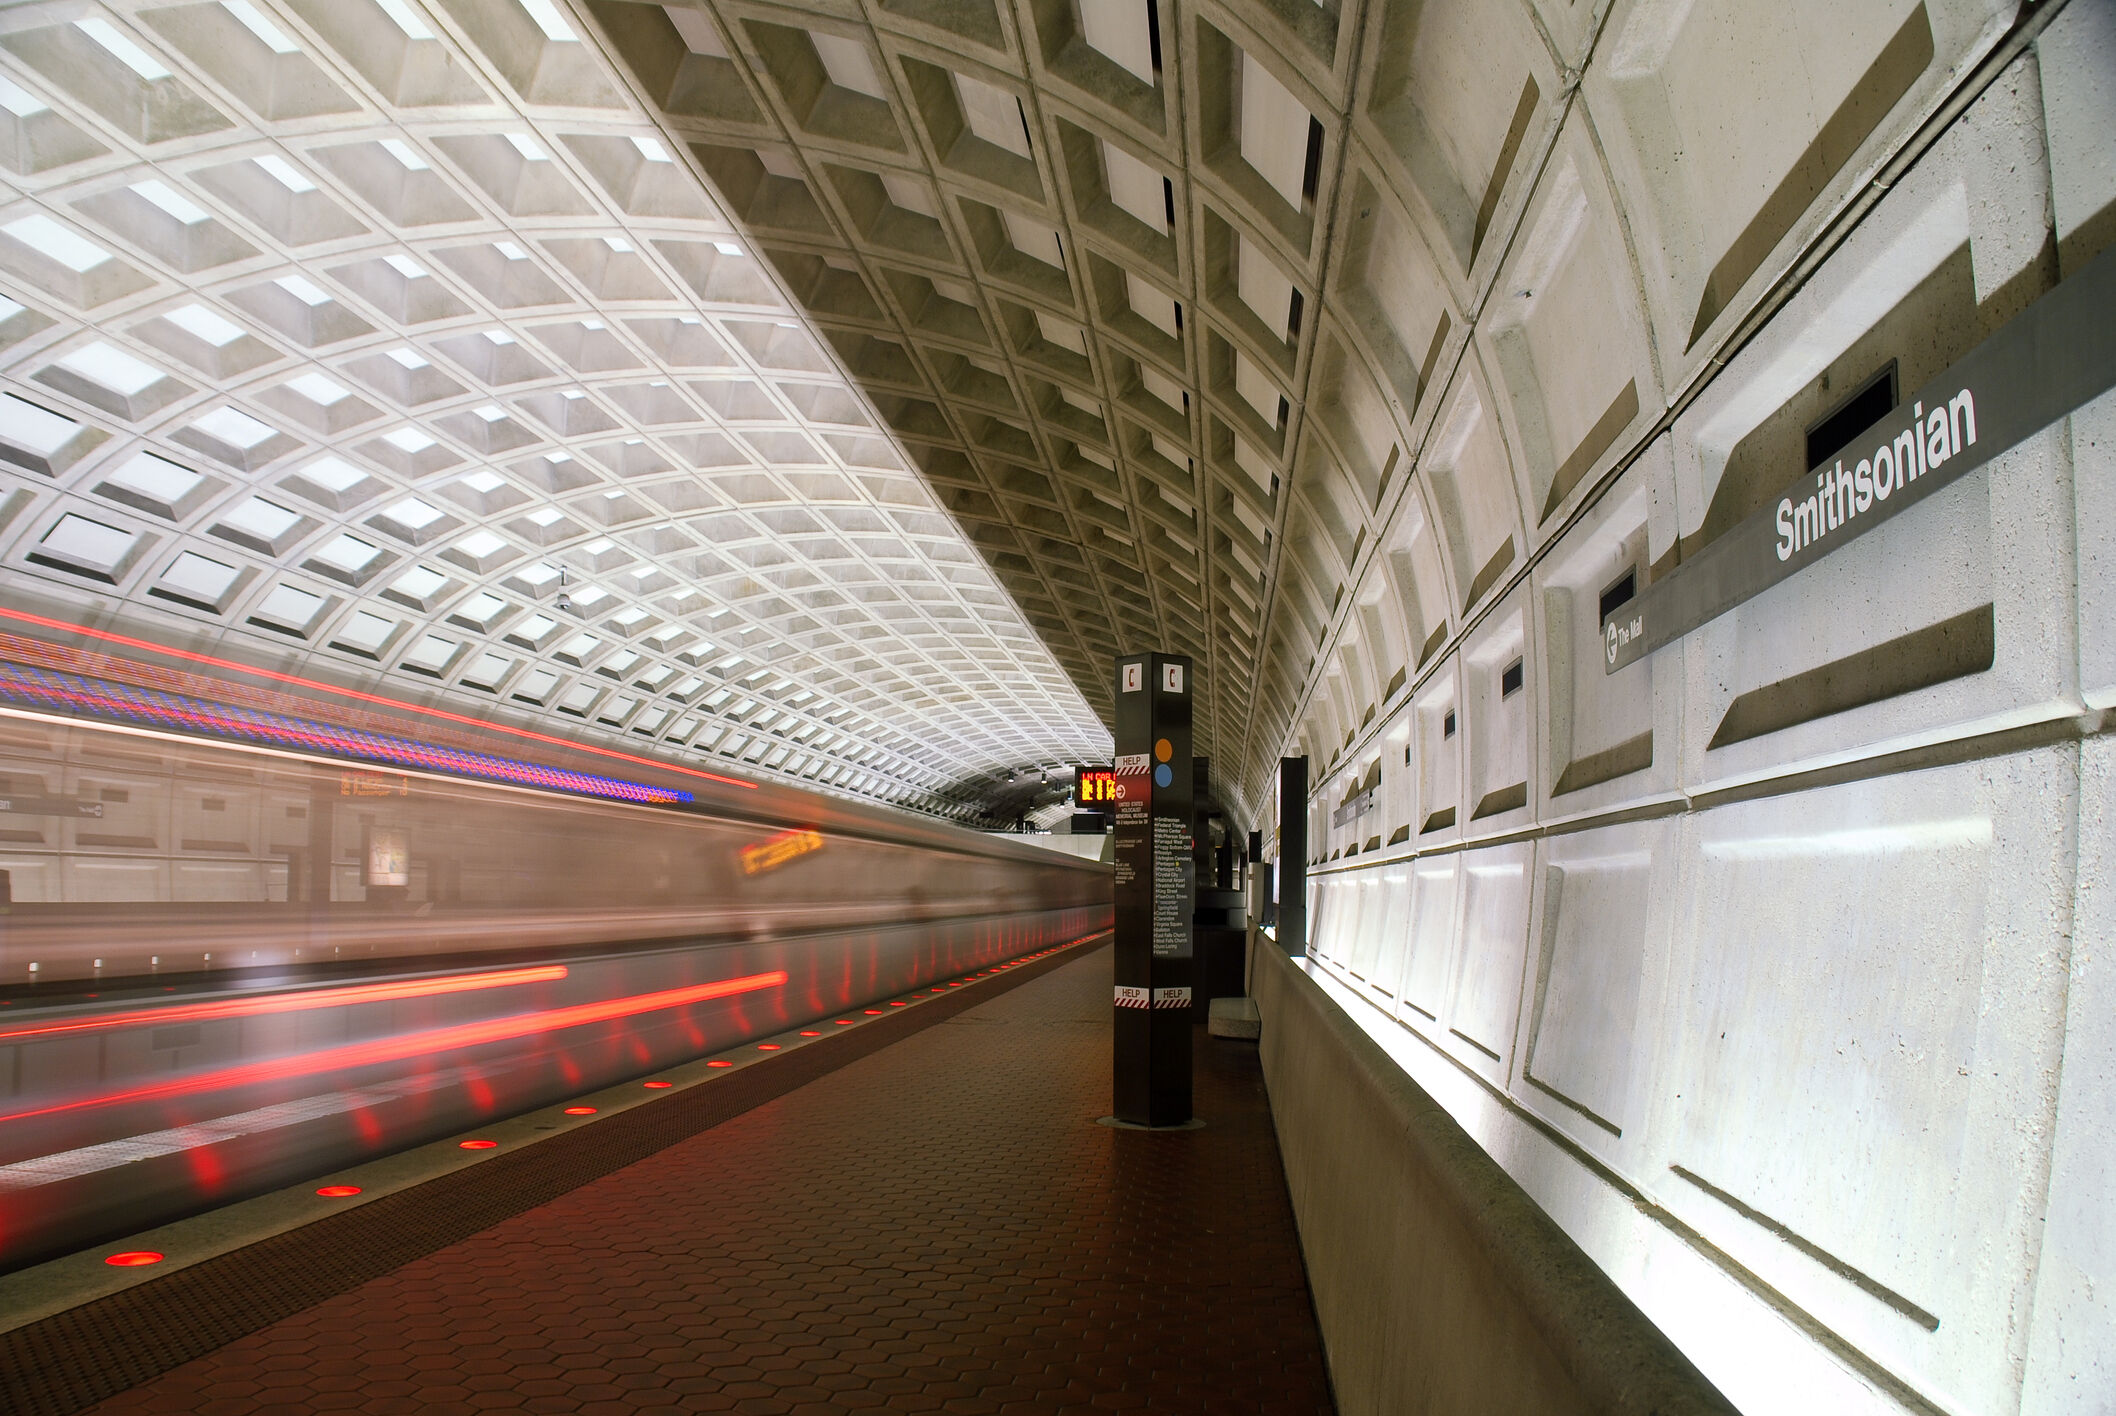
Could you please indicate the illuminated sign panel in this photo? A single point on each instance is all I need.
(388, 856)
(1096, 789)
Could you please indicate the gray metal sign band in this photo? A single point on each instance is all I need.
(2053, 357)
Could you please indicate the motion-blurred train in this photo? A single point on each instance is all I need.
(228, 965)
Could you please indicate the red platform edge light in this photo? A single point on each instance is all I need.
(297, 1002)
(476, 1145)
(421, 1044)
(657, 1086)
(317, 685)
(767, 1047)
(134, 1258)
(580, 1111)
(338, 1192)
(719, 1062)
(810, 1032)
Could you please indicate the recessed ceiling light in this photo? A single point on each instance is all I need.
(123, 49)
(550, 21)
(304, 290)
(406, 156)
(405, 18)
(170, 201)
(318, 389)
(55, 242)
(20, 101)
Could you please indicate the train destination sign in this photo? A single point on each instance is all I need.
(49, 806)
(2056, 356)
(769, 855)
(1095, 787)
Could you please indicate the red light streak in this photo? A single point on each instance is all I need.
(430, 1042)
(810, 1032)
(767, 1047)
(316, 685)
(657, 1086)
(296, 1002)
(476, 1145)
(338, 1192)
(580, 1111)
(135, 1258)
(719, 1062)
(222, 722)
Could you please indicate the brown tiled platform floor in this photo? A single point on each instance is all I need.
(938, 1227)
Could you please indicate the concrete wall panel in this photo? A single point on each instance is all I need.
(1860, 1089)
(1606, 740)
(1565, 334)
(1444, 1289)
(1587, 1041)
(1484, 1003)
(1712, 202)
(2071, 1350)
(1430, 949)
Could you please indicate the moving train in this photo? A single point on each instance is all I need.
(227, 965)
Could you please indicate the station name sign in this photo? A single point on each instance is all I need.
(2052, 358)
(1357, 807)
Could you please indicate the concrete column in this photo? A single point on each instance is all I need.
(1156, 890)
(1293, 855)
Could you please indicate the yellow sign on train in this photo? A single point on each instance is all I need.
(786, 846)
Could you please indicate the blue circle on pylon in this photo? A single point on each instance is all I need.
(1162, 776)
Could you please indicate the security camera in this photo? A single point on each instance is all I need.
(563, 604)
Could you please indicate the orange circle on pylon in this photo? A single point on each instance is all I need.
(1162, 750)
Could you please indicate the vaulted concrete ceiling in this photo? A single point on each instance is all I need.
(880, 367)
(333, 332)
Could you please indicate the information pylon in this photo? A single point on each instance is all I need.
(1156, 888)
